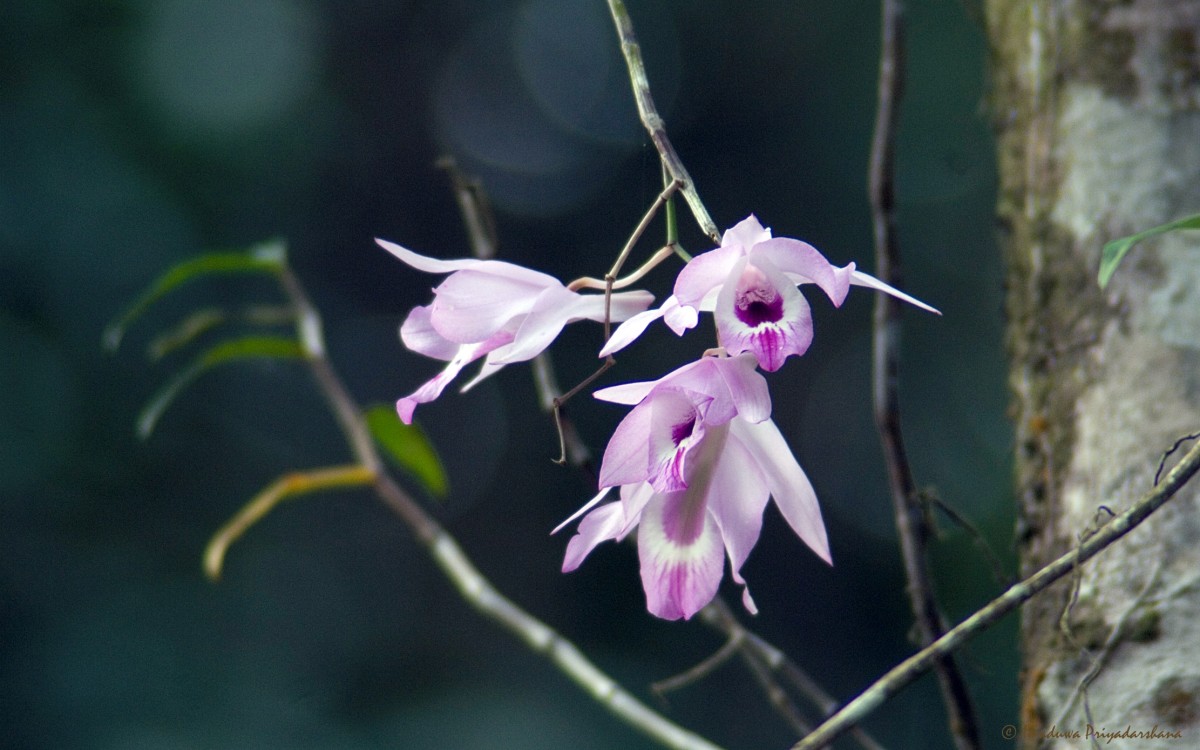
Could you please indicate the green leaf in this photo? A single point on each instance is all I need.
(1114, 251)
(408, 447)
(204, 320)
(249, 347)
(187, 331)
(268, 257)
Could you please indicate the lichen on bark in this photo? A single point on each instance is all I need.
(1098, 136)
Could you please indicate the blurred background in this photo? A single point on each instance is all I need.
(134, 134)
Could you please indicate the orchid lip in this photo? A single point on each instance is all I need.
(758, 311)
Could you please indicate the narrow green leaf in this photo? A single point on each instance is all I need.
(186, 331)
(1114, 251)
(408, 447)
(250, 347)
(267, 257)
(204, 320)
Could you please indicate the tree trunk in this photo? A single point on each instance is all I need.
(1097, 108)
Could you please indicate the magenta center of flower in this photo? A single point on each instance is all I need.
(683, 430)
(758, 304)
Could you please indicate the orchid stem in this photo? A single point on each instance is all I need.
(651, 120)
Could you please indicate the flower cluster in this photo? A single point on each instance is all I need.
(697, 458)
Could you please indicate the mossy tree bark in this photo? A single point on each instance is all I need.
(1097, 109)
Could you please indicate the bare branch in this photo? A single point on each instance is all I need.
(916, 665)
(912, 521)
(475, 589)
(653, 123)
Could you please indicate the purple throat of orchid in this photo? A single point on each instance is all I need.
(758, 305)
(683, 430)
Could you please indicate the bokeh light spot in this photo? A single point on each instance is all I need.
(221, 67)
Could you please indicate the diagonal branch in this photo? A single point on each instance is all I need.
(912, 522)
(475, 589)
(653, 123)
(916, 665)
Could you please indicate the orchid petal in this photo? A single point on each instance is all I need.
(488, 369)
(738, 497)
(759, 310)
(547, 315)
(496, 268)
(681, 556)
(627, 456)
(678, 318)
(802, 259)
(746, 386)
(732, 382)
(793, 493)
(705, 272)
(634, 498)
(858, 278)
(470, 306)
(748, 232)
(676, 424)
(626, 393)
(432, 388)
(418, 334)
(627, 332)
(601, 525)
(622, 306)
(586, 507)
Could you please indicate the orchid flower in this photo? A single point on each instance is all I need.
(696, 460)
(749, 284)
(493, 310)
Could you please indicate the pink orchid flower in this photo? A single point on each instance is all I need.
(495, 310)
(696, 460)
(749, 284)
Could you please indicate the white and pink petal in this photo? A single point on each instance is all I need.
(497, 268)
(470, 306)
(747, 233)
(858, 278)
(601, 525)
(803, 263)
(793, 493)
(736, 502)
(418, 334)
(759, 310)
(682, 556)
(432, 388)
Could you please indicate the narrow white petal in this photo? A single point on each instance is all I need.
(587, 506)
(858, 278)
(628, 331)
(793, 493)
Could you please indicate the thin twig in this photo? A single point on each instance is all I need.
(916, 665)
(1115, 637)
(729, 649)
(1178, 444)
(912, 524)
(610, 283)
(653, 123)
(572, 448)
(766, 662)
(475, 209)
(1002, 578)
(475, 589)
